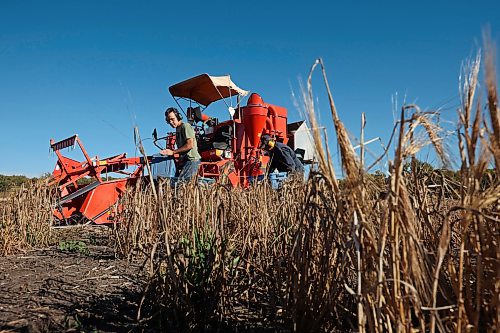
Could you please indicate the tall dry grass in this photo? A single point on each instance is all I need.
(417, 251)
(25, 218)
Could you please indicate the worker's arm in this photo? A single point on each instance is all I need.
(187, 147)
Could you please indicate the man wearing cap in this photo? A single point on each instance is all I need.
(187, 147)
(282, 156)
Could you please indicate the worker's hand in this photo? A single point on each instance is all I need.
(167, 152)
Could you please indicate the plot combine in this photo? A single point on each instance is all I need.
(230, 150)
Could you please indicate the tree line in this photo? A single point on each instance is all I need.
(10, 182)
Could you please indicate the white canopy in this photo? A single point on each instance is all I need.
(205, 89)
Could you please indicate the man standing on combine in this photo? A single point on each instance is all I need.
(187, 148)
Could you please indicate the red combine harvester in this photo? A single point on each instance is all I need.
(229, 150)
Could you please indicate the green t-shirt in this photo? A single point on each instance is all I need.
(182, 133)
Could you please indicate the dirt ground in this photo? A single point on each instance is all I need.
(76, 285)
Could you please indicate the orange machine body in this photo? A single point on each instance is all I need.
(241, 159)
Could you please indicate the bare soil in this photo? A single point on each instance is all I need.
(76, 285)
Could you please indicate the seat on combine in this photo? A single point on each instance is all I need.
(198, 116)
(221, 139)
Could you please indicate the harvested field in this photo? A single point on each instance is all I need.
(56, 289)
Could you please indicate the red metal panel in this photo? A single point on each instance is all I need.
(101, 199)
(279, 115)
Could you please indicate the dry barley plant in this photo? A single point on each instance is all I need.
(330, 254)
(25, 218)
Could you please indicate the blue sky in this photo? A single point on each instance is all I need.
(97, 68)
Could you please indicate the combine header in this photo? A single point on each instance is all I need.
(230, 149)
(83, 193)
